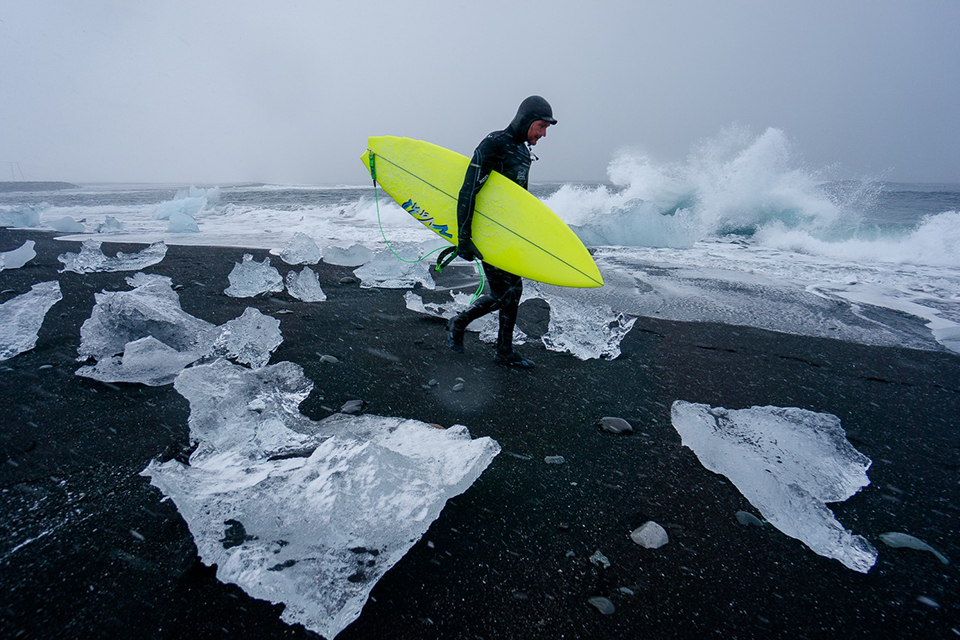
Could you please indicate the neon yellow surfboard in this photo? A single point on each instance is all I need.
(511, 227)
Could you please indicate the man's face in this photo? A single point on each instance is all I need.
(536, 131)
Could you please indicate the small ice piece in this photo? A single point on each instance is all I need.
(251, 278)
(650, 535)
(152, 308)
(18, 257)
(748, 519)
(301, 250)
(554, 459)
(249, 339)
(182, 223)
(21, 318)
(305, 285)
(66, 224)
(600, 560)
(310, 514)
(788, 463)
(25, 216)
(146, 361)
(354, 256)
(110, 225)
(585, 330)
(896, 539)
(187, 202)
(400, 268)
(91, 258)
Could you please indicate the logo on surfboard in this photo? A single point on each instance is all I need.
(425, 218)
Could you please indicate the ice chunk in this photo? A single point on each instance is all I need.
(250, 278)
(305, 286)
(91, 258)
(487, 326)
(66, 224)
(301, 250)
(152, 308)
(897, 539)
(583, 329)
(21, 318)
(788, 463)
(400, 268)
(25, 216)
(182, 223)
(310, 514)
(353, 256)
(249, 339)
(110, 225)
(650, 535)
(187, 203)
(147, 361)
(18, 257)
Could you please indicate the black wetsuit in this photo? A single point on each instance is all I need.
(506, 152)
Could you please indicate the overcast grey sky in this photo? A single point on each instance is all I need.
(216, 92)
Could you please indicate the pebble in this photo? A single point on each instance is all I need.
(603, 605)
(650, 535)
(329, 359)
(618, 426)
(458, 386)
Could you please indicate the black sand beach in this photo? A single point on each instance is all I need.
(88, 549)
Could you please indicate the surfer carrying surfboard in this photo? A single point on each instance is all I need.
(509, 152)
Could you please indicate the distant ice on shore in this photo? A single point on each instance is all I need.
(789, 463)
(310, 514)
(91, 258)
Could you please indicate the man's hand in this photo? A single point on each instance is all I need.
(467, 250)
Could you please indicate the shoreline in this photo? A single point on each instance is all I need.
(498, 564)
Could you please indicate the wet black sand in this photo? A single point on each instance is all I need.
(89, 550)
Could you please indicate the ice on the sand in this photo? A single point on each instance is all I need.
(151, 308)
(487, 326)
(353, 256)
(91, 259)
(18, 257)
(66, 224)
(182, 223)
(898, 539)
(249, 339)
(788, 463)
(25, 216)
(144, 335)
(147, 361)
(251, 278)
(21, 318)
(310, 514)
(187, 202)
(301, 250)
(584, 329)
(305, 285)
(399, 268)
(110, 225)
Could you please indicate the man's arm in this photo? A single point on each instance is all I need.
(477, 173)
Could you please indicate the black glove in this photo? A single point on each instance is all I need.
(467, 250)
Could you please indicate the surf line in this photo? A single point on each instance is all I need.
(476, 212)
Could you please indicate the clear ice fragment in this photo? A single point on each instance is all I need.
(182, 223)
(399, 268)
(353, 256)
(21, 318)
(146, 361)
(310, 514)
(91, 259)
(305, 285)
(251, 278)
(18, 257)
(301, 250)
(788, 463)
(249, 339)
(66, 224)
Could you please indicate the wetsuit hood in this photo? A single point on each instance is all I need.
(532, 109)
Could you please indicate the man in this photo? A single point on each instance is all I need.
(509, 153)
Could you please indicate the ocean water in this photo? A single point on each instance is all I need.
(740, 232)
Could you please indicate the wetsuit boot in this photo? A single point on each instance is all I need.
(505, 353)
(457, 325)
